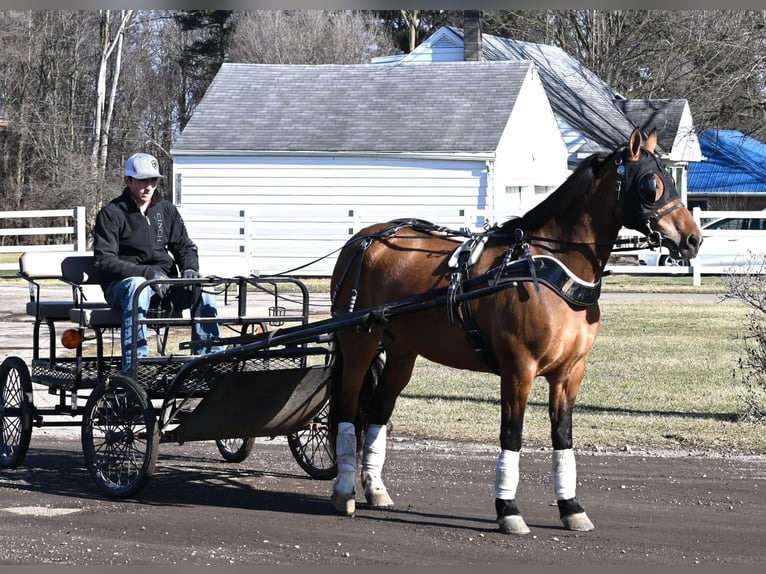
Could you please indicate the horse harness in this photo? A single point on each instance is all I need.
(536, 269)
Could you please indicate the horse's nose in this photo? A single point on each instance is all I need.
(693, 242)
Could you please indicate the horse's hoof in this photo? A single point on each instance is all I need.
(375, 492)
(378, 498)
(512, 524)
(578, 522)
(345, 503)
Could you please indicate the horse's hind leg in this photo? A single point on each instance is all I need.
(564, 468)
(395, 376)
(358, 353)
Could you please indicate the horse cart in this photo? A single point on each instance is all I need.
(260, 385)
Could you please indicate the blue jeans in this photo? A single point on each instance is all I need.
(121, 293)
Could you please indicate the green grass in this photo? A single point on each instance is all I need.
(661, 284)
(660, 376)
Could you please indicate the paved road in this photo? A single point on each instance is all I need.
(648, 508)
(199, 510)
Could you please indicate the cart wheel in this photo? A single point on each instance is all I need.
(120, 437)
(313, 448)
(235, 449)
(15, 412)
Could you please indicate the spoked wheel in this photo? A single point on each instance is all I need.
(15, 412)
(235, 449)
(120, 437)
(313, 447)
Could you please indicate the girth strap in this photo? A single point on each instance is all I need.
(465, 313)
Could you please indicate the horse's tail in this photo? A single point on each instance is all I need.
(365, 396)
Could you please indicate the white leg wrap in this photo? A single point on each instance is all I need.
(374, 454)
(345, 448)
(507, 475)
(564, 474)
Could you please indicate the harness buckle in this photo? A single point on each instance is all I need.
(654, 239)
(531, 261)
(455, 287)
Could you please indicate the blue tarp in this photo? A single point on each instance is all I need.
(735, 163)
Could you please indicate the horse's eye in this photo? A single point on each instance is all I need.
(648, 189)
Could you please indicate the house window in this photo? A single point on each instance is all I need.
(513, 198)
(543, 189)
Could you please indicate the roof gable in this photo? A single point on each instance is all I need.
(458, 107)
(664, 115)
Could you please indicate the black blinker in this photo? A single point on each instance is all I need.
(647, 188)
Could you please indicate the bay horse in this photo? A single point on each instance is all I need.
(521, 301)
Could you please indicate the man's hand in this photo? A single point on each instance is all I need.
(161, 289)
(191, 274)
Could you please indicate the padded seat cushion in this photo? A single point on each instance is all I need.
(96, 317)
(54, 310)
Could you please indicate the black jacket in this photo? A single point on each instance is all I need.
(126, 243)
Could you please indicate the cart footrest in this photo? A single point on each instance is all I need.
(256, 403)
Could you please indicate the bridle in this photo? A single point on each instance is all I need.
(638, 205)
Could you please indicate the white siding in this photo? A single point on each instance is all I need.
(285, 212)
(531, 154)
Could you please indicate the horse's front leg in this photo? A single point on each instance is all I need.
(514, 393)
(563, 392)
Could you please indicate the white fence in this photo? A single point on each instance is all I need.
(40, 223)
(306, 244)
(295, 242)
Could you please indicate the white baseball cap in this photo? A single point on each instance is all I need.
(142, 166)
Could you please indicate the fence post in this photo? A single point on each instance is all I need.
(81, 241)
(696, 271)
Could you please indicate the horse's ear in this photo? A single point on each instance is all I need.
(635, 145)
(651, 141)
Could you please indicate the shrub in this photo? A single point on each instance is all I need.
(749, 286)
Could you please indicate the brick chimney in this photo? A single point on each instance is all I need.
(472, 35)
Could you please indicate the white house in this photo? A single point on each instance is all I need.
(286, 162)
(592, 117)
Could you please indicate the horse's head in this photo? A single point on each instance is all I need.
(647, 199)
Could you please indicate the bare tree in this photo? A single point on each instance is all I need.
(713, 58)
(58, 73)
(412, 20)
(308, 37)
(104, 108)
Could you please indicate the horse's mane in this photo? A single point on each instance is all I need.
(575, 186)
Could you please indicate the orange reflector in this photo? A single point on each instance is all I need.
(71, 339)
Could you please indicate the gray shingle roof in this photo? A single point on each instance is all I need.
(664, 114)
(454, 107)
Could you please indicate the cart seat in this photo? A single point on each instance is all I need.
(36, 266)
(81, 272)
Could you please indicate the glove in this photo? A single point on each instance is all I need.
(161, 289)
(191, 274)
